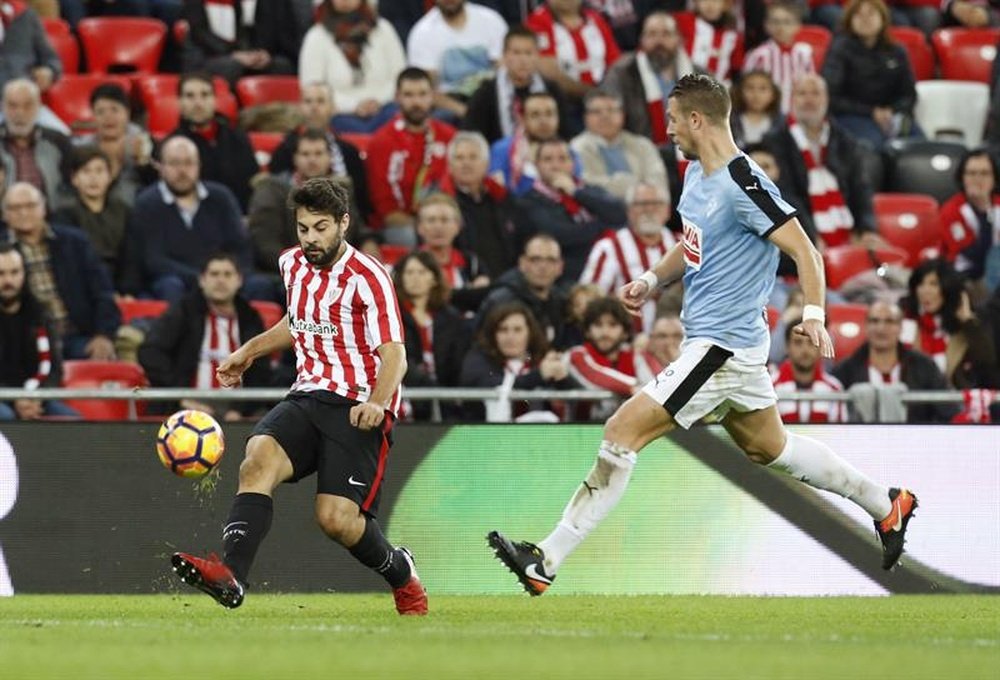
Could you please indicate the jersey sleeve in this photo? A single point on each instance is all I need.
(757, 201)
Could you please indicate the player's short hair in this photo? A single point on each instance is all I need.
(221, 256)
(413, 73)
(607, 306)
(519, 31)
(84, 154)
(201, 76)
(704, 94)
(439, 198)
(312, 135)
(322, 195)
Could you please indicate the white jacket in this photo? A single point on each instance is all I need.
(320, 60)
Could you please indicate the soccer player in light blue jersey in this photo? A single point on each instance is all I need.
(735, 222)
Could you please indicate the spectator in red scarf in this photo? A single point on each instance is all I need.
(940, 323)
(438, 223)
(559, 204)
(436, 338)
(971, 218)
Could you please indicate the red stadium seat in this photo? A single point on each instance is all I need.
(69, 97)
(358, 140)
(114, 43)
(104, 374)
(908, 221)
(921, 55)
(846, 324)
(253, 90)
(68, 49)
(819, 38)
(180, 30)
(844, 262)
(264, 144)
(966, 53)
(139, 309)
(158, 93)
(56, 26)
(270, 312)
(391, 254)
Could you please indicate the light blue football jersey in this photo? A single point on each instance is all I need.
(730, 265)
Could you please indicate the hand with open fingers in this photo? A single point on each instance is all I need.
(817, 333)
(231, 370)
(633, 294)
(367, 415)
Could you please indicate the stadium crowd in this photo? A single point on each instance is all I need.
(510, 162)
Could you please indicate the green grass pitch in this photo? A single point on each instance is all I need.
(555, 636)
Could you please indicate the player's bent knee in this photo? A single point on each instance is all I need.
(637, 422)
(265, 464)
(339, 522)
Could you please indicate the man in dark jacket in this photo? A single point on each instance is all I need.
(226, 154)
(29, 357)
(25, 52)
(187, 343)
(823, 165)
(65, 274)
(883, 360)
(533, 283)
(576, 214)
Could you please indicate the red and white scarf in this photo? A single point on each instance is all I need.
(977, 406)
(44, 350)
(508, 105)
(656, 103)
(833, 220)
(932, 339)
(716, 50)
(570, 204)
(221, 338)
(453, 269)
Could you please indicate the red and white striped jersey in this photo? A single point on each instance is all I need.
(808, 411)
(784, 64)
(222, 337)
(619, 258)
(717, 51)
(338, 318)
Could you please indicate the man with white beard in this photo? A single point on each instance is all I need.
(619, 258)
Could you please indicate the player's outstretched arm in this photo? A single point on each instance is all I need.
(669, 268)
(275, 339)
(792, 240)
(390, 374)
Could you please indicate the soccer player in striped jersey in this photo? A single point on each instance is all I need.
(735, 222)
(343, 322)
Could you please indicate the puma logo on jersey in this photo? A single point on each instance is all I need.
(692, 245)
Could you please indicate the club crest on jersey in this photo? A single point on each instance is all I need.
(692, 245)
(302, 326)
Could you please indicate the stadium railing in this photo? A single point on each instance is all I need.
(887, 400)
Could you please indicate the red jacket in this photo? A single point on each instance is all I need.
(396, 157)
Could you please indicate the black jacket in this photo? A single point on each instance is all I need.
(228, 160)
(483, 113)
(450, 339)
(550, 312)
(83, 282)
(489, 231)
(917, 371)
(478, 370)
(19, 356)
(859, 78)
(171, 350)
(844, 161)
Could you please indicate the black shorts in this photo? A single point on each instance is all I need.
(316, 433)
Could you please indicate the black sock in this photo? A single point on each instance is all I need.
(248, 524)
(376, 553)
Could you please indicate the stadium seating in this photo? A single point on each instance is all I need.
(116, 44)
(270, 312)
(86, 374)
(908, 221)
(69, 97)
(139, 309)
(920, 53)
(846, 324)
(966, 53)
(158, 93)
(820, 39)
(953, 109)
(922, 167)
(264, 144)
(64, 43)
(845, 262)
(253, 90)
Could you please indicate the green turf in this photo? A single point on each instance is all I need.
(359, 637)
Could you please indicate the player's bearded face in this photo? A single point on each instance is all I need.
(322, 241)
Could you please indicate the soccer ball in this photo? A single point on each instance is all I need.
(190, 443)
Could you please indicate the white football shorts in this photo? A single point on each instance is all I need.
(707, 378)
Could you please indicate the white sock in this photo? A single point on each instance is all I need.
(815, 463)
(599, 493)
